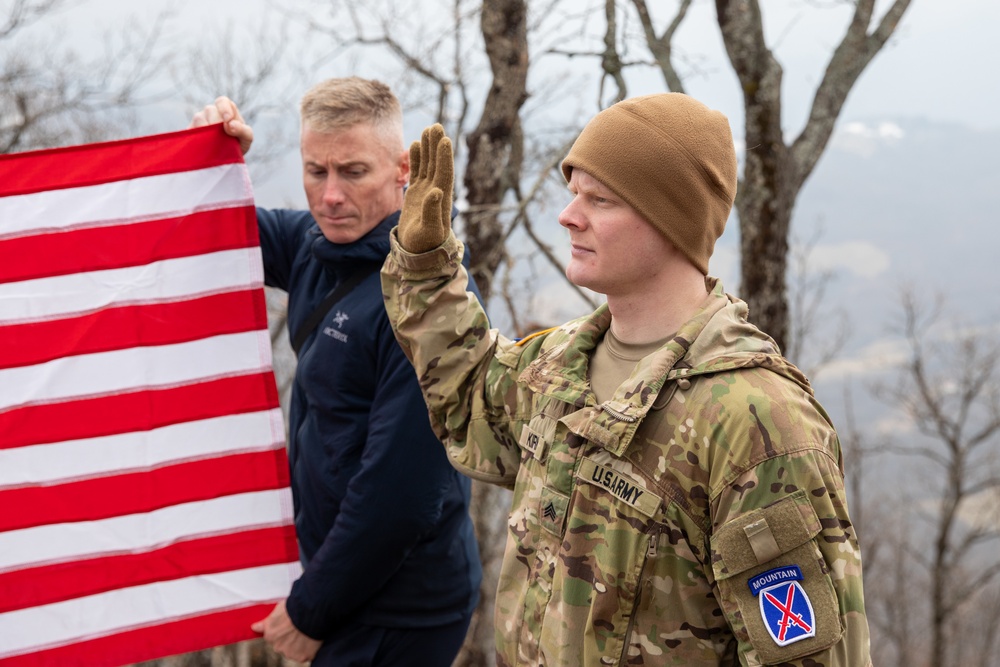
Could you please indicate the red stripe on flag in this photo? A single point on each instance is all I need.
(43, 590)
(170, 638)
(133, 326)
(135, 244)
(140, 410)
(146, 491)
(187, 150)
(47, 584)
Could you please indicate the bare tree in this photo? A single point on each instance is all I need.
(496, 145)
(978, 630)
(50, 97)
(493, 169)
(263, 69)
(949, 387)
(894, 585)
(774, 171)
(661, 45)
(435, 51)
(860, 450)
(809, 344)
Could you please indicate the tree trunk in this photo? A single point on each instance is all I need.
(765, 197)
(774, 172)
(764, 206)
(496, 145)
(493, 169)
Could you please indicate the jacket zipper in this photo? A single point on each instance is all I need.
(642, 597)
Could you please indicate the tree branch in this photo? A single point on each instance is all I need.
(849, 59)
(661, 45)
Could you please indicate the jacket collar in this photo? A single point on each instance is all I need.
(372, 247)
(717, 338)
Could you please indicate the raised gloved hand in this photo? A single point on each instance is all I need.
(425, 220)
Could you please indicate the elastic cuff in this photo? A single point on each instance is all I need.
(446, 258)
(295, 616)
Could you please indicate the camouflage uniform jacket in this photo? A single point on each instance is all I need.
(638, 526)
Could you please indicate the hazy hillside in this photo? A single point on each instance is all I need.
(902, 202)
(912, 201)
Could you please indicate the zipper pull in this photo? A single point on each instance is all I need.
(646, 585)
(654, 543)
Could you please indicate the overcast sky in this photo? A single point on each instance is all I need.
(940, 65)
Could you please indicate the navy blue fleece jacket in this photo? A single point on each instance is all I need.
(382, 517)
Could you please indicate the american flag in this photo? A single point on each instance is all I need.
(144, 500)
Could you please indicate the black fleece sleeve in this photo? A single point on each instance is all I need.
(280, 234)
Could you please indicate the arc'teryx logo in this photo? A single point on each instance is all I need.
(339, 320)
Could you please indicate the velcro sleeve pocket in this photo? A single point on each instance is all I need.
(769, 547)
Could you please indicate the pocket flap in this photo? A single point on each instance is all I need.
(763, 534)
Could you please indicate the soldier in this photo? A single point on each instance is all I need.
(678, 491)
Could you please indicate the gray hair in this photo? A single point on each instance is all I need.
(341, 103)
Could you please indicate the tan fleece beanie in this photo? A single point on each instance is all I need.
(669, 157)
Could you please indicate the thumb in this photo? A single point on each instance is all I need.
(237, 127)
(258, 627)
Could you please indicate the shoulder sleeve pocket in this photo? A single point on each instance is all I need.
(773, 582)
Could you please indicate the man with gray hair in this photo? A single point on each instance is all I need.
(678, 490)
(391, 569)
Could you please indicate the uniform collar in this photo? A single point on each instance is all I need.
(715, 339)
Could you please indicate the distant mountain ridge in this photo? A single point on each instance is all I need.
(923, 195)
(919, 201)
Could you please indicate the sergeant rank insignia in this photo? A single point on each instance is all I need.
(784, 605)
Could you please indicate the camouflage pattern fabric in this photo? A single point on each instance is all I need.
(638, 525)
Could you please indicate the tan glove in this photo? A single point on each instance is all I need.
(425, 220)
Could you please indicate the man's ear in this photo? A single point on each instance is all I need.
(403, 175)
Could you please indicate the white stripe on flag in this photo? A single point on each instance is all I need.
(77, 580)
(135, 368)
(167, 280)
(99, 615)
(140, 532)
(76, 459)
(139, 199)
